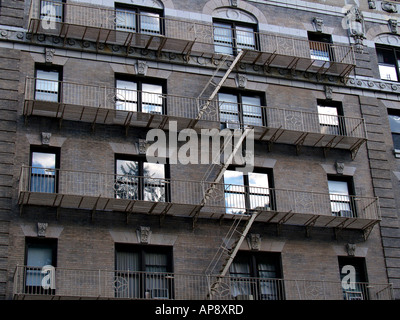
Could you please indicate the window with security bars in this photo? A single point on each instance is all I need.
(257, 276)
(143, 272)
(138, 19)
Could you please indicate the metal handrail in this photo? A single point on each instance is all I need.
(105, 18)
(125, 284)
(106, 97)
(233, 199)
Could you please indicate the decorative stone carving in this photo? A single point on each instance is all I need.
(234, 3)
(318, 23)
(351, 249)
(49, 55)
(142, 67)
(372, 4)
(46, 138)
(142, 146)
(389, 7)
(254, 241)
(144, 235)
(41, 229)
(393, 25)
(339, 166)
(356, 27)
(241, 81)
(328, 92)
(234, 14)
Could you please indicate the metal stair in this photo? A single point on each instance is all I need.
(227, 252)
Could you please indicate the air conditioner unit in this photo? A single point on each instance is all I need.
(159, 293)
(232, 125)
(346, 213)
(244, 297)
(354, 295)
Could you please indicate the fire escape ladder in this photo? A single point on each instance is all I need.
(227, 251)
(218, 86)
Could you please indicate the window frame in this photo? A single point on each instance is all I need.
(395, 51)
(246, 190)
(396, 141)
(139, 81)
(138, 13)
(351, 194)
(47, 243)
(46, 150)
(141, 275)
(53, 3)
(360, 265)
(319, 37)
(45, 68)
(254, 259)
(239, 95)
(340, 128)
(140, 180)
(233, 25)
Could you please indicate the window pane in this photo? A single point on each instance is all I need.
(259, 192)
(126, 182)
(328, 115)
(229, 108)
(154, 183)
(150, 23)
(43, 172)
(252, 114)
(47, 84)
(394, 123)
(51, 10)
(245, 38)
(152, 99)
(37, 257)
(223, 38)
(125, 19)
(339, 196)
(319, 51)
(388, 72)
(126, 95)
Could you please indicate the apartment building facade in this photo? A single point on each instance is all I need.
(312, 86)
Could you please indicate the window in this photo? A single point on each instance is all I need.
(137, 179)
(320, 46)
(39, 253)
(359, 289)
(394, 120)
(244, 192)
(232, 37)
(52, 10)
(47, 86)
(330, 115)
(139, 96)
(340, 194)
(143, 272)
(44, 174)
(388, 62)
(236, 109)
(257, 276)
(140, 20)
